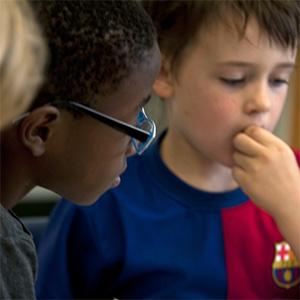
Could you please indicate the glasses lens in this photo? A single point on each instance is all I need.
(148, 125)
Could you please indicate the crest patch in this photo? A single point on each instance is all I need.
(285, 267)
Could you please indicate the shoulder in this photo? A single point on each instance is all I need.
(12, 226)
(18, 258)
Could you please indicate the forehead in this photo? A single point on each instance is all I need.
(230, 40)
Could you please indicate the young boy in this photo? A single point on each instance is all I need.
(75, 137)
(180, 226)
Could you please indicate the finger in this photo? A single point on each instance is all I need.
(239, 175)
(243, 161)
(261, 135)
(247, 145)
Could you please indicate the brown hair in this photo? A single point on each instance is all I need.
(22, 58)
(177, 22)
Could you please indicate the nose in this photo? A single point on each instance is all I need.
(130, 150)
(259, 100)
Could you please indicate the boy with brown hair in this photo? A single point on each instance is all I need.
(87, 118)
(185, 223)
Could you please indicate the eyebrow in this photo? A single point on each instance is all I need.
(287, 65)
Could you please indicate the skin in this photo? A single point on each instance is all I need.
(223, 103)
(78, 158)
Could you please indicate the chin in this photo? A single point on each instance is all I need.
(86, 199)
(229, 165)
(226, 160)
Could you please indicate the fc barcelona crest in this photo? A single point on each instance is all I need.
(286, 269)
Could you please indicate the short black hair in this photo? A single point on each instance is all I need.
(93, 45)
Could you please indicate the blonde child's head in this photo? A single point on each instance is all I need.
(22, 58)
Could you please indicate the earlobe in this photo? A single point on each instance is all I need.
(164, 82)
(37, 129)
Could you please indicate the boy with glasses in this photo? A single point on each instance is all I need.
(185, 223)
(88, 116)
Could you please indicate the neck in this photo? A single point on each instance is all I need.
(16, 179)
(189, 165)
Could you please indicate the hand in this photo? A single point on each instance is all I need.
(266, 169)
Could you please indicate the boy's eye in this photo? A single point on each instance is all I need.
(279, 81)
(232, 81)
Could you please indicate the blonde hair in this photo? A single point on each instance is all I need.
(22, 58)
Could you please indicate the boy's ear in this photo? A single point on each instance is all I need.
(38, 127)
(164, 82)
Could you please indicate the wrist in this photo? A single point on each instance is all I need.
(289, 211)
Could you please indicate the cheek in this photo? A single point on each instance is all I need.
(277, 109)
(218, 120)
(113, 155)
(212, 113)
(101, 156)
(102, 168)
(209, 125)
(212, 103)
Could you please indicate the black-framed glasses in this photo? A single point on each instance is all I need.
(142, 134)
